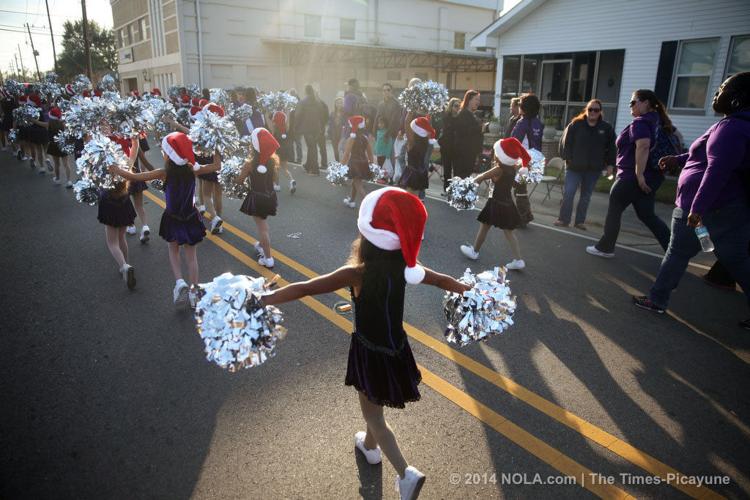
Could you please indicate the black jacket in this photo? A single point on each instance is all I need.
(586, 148)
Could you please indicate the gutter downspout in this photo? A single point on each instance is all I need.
(200, 41)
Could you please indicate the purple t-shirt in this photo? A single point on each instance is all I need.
(711, 174)
(529, 132)
(642, 127)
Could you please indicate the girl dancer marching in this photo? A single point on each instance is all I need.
(358, 156)
(381, 366)
(116, 212)
(137, 188)
(181, 224)
(421, 135)
(285, 149)
(261, 201)
(210, 187)
(54, 126)
(37, 136)
(500, 211)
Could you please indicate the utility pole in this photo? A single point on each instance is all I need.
(33, 51)
(23, 69)
(52, 35)
(86, 39)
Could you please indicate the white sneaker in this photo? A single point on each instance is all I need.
(373, 456)
(48, 162)
(259, 249)
(469, 252)
(220, 230)
(515, 264)
(592, 250)
(266, 262)
(276, 188)
(410, 486)
(128, 274)
(69, 185)
(347, 200)
(216, 224)
(179, 294)
(292, 186)
(145, 233)
(130, 230)
(193, 296)
(56, 180)
(201, 209)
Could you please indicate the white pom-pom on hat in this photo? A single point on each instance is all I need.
(262, 169)
(265, 144)
(352, 135)
(283, 136)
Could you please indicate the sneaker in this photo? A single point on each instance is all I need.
(352, 204)
(201, 209)
(580, 226)
(259, 249)
(130, 230)
(145, 233)
(56, 181)
(410, 486)
(516, 264)
(276, 188)
(216, 224)
(292, 186)
(48, 163)
(220, 230)
(266, 262)
(373, 456)
(745, 324)
(128, 274)
(193, 296)
(469, 252)
(179, 294)
(346, 201)
(592, 250)
(69, 185)
(560, 223)
(645, 303)
(19, 155)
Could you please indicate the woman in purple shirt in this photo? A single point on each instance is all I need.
(713, 190)
(528, 130)
(636, 182)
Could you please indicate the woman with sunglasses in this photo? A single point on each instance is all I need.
(587, 146)
(636, 182)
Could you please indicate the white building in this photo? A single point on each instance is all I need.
(289, 43)
(568, 51)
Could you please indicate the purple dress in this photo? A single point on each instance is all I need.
(207, 160)
(139, 186)
(115, 211)
(181, 221)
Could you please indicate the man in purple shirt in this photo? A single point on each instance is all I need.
(713, 190)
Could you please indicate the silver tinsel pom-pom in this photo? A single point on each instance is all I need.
(97, 155)
(424, 97)
(193, 90)
(173, 92)
(462, 193)
(220, 97)
(477, 314)
(158, 184)
(65, 142)
(241, 113)
(277, 101)
(25, 115)
(14, 88)
(84, 116)
(50, 90)
(237, 330)
(162, 111)
(130, 116)
(13, 135)
(378, 172)
(50, 77)
(108, 83)
(184, 117)
(211, 132)
(86, 192)
(535, 171)
(81, 83)
(337, 173)
(230, 169)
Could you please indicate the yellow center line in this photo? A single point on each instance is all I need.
(472, 406)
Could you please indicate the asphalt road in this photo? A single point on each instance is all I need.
(106, 392)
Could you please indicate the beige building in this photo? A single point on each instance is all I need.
(288, 43)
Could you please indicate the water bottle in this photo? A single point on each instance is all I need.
(702, 233)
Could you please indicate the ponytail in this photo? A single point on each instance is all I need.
(658, 106)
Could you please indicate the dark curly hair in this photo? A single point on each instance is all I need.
(530, 106)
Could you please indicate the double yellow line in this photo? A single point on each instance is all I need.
(516, 434)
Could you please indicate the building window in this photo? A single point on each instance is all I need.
(511, 72)
(312, 26)
(459, 40)
(347, 29)
(125, 36)
(142, 28)
(695, 64)
(137, 33)
(118, 39)
(739, 56)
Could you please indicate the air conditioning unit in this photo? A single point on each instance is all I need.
(126, 56)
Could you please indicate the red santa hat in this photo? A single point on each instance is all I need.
(356, 122)
(213, 108)
(265, 144)
(392, 219)
(135, 93)
(279, 119)
(195, 102)
(202, 102)
(194, 110)
(179, 148)
(34, 98)
(23, 98)
(69, 90)
(86, 93)
(156, 91)
(185, 100)
(97, 93)
(511, 152)
(55, 113)
(422, 127)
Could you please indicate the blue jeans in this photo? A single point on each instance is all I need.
(729, 229)
(587, 181)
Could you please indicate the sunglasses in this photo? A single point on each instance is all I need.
(634, 102)
(387, 90)
(594, 110)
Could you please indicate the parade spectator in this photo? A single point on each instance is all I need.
(256, 120)
(383, 143)
(713, 190)
(296, 139)
(355, 104)
(335, 125)
(389, 110)
(323, 123)
(587, 146)
(447, 140)
(720, 277)
(307, 124)
(467, 136)
(636, 182)
(515, 115)
(528, 130)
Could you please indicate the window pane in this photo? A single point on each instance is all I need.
(690, 92)
(555, 78)
(583, 76)
(347, 29)
(459, 40)
(739, 59)
(697, 58)
(530, 75)
(312, 25)
(610, 75)
(552, 115)
(511, 68)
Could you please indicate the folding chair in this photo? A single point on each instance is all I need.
(550, 181)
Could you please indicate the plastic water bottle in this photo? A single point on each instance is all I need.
(702, 233)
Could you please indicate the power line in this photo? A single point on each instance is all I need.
(34, 13)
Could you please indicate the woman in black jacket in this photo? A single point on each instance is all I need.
(588, 147)
(467, 136)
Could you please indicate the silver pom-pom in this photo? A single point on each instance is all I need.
(378, 172)
(65, 142)
(535, 171)
(51, 90)
(424, 97)
(193, 90)
(13, 135)
(173, 92)
(25, 115)
(241, 113)
(162, 112)
(278, 101)
(50, 77)
(220, 97)
(158, 184)
(337, 173)
(84, 116)
(237, 330)
(14, 88)
(86, 192)
(211, 132)
(477, 314)
(130, 116)
(184, 117)
(230, 169)
(81, 83)
(108, 83)
(462, 193)
(97, 155)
